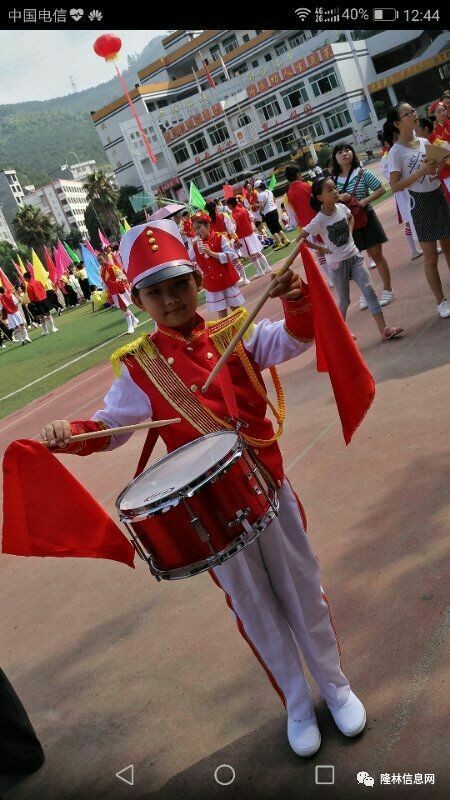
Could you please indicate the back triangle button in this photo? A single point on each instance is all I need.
(126, 775)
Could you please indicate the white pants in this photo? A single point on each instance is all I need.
(273, 588)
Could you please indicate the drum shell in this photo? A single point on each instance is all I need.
(171, 537)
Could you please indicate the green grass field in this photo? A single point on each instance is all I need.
(80, 331)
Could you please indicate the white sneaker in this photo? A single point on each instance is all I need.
(44, 333)
(372, 264)
(54, 330)
(304, 735)
(386, 297)
(351, 717)
(363, 304)
(439, 249)
(444, 309)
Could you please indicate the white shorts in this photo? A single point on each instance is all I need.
(250, 245)
(122, 300)
(14, 320)
(218, 301)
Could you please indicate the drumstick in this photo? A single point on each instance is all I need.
(159, 423)
(240, 333)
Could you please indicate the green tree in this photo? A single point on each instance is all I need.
(33, 228)
(104, 196)
(123, 203)
(92, 223)
(8, 254)
(74, 238)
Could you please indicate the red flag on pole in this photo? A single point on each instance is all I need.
(208, 75)
(40, 496)
(227, 190)
(5, 282)
(337, 354)
(50, 266)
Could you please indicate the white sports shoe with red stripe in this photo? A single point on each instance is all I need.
(304, 735)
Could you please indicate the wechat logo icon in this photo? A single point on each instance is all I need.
(364, 777)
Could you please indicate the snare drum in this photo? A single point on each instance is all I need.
(197, 506)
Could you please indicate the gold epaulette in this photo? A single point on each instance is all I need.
(129, 349)
(222, 330)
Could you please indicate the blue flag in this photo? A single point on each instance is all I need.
(92, 267)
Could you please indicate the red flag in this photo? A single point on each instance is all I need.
(208, 75)
(19, 271)
(50, 266)
(227, 190)
(337, 354)
(46, 512)
(29, 268)
(5, 282)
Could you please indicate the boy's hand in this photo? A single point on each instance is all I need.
(288, 286)
(57, 433)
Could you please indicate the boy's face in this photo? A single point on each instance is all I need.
(173, 302)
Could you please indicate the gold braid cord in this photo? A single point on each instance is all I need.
(171, 386)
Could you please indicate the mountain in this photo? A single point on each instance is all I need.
(36, 136)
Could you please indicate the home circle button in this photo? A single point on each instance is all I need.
(227, 775)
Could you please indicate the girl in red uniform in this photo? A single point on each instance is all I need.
(250, 244)
(116, 283)
(215, 256)
(16, 322)
(224, 224)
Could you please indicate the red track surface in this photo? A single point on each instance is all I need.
(116, 669)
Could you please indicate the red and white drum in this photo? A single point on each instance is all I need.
(197, 506)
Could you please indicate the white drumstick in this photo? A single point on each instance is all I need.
(159, 423)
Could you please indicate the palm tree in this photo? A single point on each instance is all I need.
(33, 227)
(103, 197)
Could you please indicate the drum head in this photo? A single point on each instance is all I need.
(181, 468)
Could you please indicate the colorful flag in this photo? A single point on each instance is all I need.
(201, 93)
(272, 183)
(104, 241)
(29, 268)
(195, 198)
(40, 273)
(20, 263)
(64, 257)
(209, 77)
(70, 252)
(92, 267)
(228, 191)
(126, 226)
(122, 229)
(89, 247)
(49, 263)
(225, 71)
(5, 282)
(18, 270)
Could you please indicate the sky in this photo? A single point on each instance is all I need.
(37, 65)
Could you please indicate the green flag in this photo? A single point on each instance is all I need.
(71, 254)
(272, 183)
(122, 230)
(195, 198)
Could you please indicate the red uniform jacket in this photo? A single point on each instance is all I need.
(243, 222)
(298, 195)
(216, 276)
(35, 290)
(114, 278)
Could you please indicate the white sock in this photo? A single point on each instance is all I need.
(44, 325)
(262, 259)
(51, 323)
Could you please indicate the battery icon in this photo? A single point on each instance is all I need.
(385, 14)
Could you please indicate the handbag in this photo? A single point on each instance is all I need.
(359, 214)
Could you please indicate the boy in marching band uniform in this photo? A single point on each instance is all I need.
(273, 585)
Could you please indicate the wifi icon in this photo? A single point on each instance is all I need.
(302, 13)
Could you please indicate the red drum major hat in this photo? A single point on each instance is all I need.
(201, 216)
(154, 252)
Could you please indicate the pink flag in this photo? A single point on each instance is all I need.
(50, 266)
(89, 247)
(5, 282)
(58, 266)
(103, 239)
(18, 270)
(65, 259)
(29, 267)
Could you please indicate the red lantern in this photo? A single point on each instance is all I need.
(108, 46)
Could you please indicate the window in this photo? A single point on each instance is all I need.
(218, 133)
(230, 43)
(240, 70)
(294, 41)
(215, 174)
(313, 130)
(235, 165)
(324, 82)
(338, 118)
(268, 57)
(198, 143)
(198, 180)
(258, 32)
(246, 37)
(215, 51)
(243, 121)
(281, 48)
(268, 108)
(258, 154)
(181, 153)
(295, 96)
(255, 64)
(285, 142)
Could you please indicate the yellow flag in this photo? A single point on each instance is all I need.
(126, 226)
(40, 273)
(21, 265)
